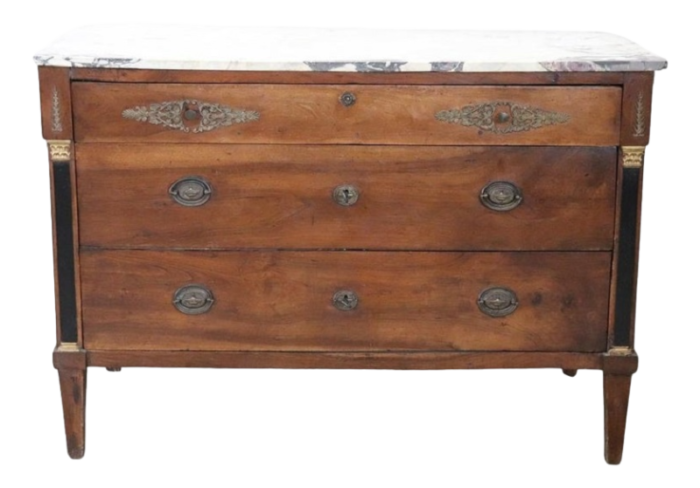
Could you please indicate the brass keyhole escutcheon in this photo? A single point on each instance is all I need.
(345, 300)
(348, 99)
(346, 195)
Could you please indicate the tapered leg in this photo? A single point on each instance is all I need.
(616, 391)
(72, 375)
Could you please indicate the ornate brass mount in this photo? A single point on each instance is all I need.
(632, 156)
(190, 115)
(59, 151)
(502, 117)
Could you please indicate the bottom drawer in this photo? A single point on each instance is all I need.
(345, 301)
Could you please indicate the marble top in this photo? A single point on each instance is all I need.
(297, 49)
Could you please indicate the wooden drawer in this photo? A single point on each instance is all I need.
(417, 198)
(282, 301)
(290, 114)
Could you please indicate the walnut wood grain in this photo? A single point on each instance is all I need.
(636, 109)
(296, 77)
(616, 393)
(281, 301)
(298, 114)
(71, 363)
(410, 197)
(55, 93)
(345, 360)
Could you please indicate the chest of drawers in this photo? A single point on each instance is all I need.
(272, 205)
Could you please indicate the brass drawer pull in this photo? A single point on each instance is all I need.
(497, 301)
(193, 299)
(191, 191)
(345, 195)
(501, 196)
(348, 99)
(345, 300)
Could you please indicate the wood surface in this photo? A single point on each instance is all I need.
(636, 108)
(282, 301)
(410, 197)
(345, 360)
(71, 363)
(301, 114)
(616, 393)
(384, 78)
(643, 83)
(57, 125)
(55, 93)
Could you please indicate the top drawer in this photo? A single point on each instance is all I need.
(346, 114)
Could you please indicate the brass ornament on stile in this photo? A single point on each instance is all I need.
(639, 128)
(56, 115)
(59, 151)
(632, 156)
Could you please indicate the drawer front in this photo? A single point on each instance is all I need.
(414, 198)
(346, 114)
(284, 301)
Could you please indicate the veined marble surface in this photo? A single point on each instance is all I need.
(296, 49)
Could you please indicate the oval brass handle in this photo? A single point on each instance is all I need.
(190, 191)
(345, 300)
(501, 196)
(193, 299)
(497, 301)
(345, 195)
(348, 98)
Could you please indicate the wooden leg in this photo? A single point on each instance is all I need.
(616, 391)
(72, 375)
(570, 372)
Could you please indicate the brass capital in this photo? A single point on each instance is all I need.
(59, 151)
(632, 156)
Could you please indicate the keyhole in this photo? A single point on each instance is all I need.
(345, 195)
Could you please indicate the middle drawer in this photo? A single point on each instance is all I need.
(351, 197)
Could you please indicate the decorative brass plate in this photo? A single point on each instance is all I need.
(502, 117)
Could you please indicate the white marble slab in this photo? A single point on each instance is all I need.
(294, 49)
